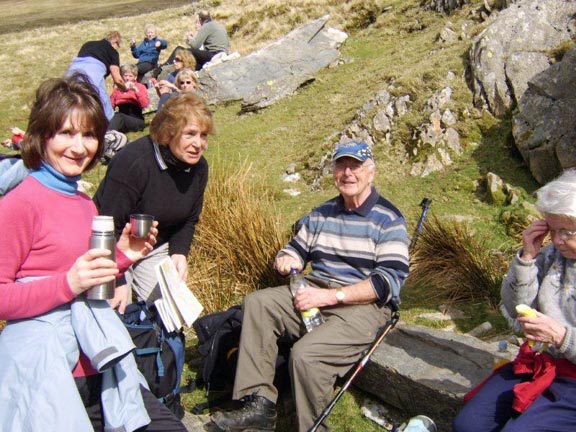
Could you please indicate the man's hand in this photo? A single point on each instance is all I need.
(310, 297)
(284, 263)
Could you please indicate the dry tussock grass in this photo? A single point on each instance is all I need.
(455, 266)
(236, 240)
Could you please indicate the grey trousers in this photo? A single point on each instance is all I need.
(142, 278)
(317, 358)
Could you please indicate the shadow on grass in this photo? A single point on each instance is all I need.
(497, 153)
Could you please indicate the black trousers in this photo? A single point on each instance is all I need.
(144, 67)
(126, 123)
(163, 420)
(202, 56)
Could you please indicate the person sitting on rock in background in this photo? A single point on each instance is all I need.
(148, 51)
(186, 81)
(97, 60)
(182, 60)
(211, 39)
(14, 142)
(357, 246)
(130, 102)
(537, 391)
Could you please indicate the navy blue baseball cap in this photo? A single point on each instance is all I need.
(357, 150)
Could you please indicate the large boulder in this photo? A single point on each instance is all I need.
(512, 49)
(275, 71)
(420, 370)
(449, 6)
(544, 125)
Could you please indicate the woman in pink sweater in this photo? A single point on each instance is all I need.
(129, 103)
(46, 226)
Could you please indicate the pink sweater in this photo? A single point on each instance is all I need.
(43, 233)
(139, 98)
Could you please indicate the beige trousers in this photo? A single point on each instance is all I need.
(317, 358)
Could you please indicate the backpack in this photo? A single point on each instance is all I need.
(159, 354)
(218, 342)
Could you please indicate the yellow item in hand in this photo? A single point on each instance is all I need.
(527, 311)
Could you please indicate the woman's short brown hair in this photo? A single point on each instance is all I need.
(57, 99)
(175, 114)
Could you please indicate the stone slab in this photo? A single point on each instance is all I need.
(419, 370)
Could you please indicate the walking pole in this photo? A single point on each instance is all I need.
(425, 204)
(389, 326)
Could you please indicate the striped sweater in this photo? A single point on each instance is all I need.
(346, 247)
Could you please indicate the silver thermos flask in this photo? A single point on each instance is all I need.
(103, 238)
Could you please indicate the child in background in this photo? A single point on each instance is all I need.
(148, 51)
(130, 102)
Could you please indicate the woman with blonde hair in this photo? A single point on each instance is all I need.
(164, 175)
(186, 81)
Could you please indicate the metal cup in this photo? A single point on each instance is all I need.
(140, 225)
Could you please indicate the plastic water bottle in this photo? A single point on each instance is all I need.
(420, 423)
(312, 317)
(103, 238)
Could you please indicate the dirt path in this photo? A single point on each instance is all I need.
(23, 15)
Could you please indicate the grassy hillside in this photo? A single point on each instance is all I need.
(392, 45)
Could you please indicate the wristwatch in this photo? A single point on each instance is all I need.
(340, 295)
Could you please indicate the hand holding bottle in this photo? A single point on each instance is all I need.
(312, 317)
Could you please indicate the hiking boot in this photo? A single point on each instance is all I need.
(257, 414)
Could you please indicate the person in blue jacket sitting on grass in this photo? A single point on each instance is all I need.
(148, 51)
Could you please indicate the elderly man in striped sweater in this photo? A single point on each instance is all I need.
(357, 248)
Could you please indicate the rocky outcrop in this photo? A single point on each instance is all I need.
(419, 370)
(435, 141)
(512, 49)
(275, 71)
(449, 6)
(372, 123)
(445, 6)
(544, 125)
